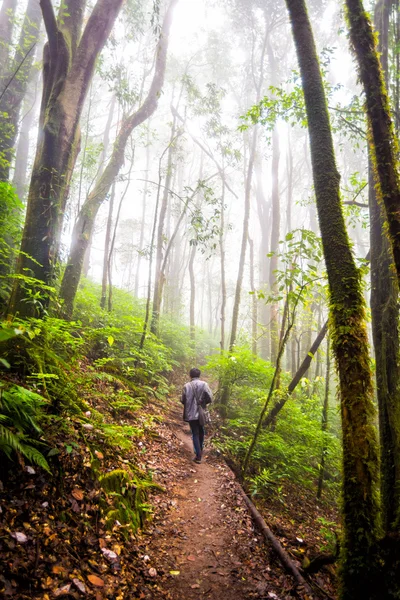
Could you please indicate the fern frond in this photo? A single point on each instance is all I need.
(112, 481)
(9, 439)
(35, 456)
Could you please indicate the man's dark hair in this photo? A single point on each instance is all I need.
(194, 372)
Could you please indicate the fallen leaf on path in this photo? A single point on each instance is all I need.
(99, 455)
(62, 591)
(58, 569)
(96, 580)
(191, 557)
(195, 586)
(174, 572)
(77, 494)
(152, 572)
(80, 585)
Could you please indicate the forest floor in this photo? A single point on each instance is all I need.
(200, 543)
(204, 544)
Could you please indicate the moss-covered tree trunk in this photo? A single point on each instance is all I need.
(69, 61)
(86, 218)
(348, 329)
(385, 323)
(324, 421)
(384, 141)
(222, 265)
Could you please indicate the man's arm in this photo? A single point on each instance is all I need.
(183, 397)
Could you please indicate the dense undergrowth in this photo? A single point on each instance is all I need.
(290, 450)
(50, 367)
(82, 387)
(71, 386)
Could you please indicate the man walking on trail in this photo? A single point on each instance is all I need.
(196, 395)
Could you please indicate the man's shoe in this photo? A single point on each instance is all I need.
(197, 460)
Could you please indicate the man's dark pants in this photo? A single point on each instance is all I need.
(198, 437)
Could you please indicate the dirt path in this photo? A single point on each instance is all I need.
(203, 544)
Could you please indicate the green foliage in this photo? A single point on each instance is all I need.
(287, 103)
(125, 499)
(266, 482)
(126, 404)
(328, 534)
(240, 368)
(120, 436)
(20, 413)
(11, 210)
(292, 451)
(46, 352)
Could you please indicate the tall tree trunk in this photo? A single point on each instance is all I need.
(245, 234)
(152, 242)
(114, 235)
(143, 217)
(293, 352)
(253, 301)
(103, 156)
(385, 146)
(289, 180)
(324, 421)
(159, 275)
(69, 61)
(397, 62)
(265, 225)
(385, 330)
(275, 234)
(85, 221)
(192, 293)
(107, 240)
(348, 329)
(222, 263)
(12, 98)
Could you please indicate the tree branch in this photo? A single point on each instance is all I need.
(354, 203)
(95, 34)
(300, 372)
(151, 101)
(207, 152)
(50, 23)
